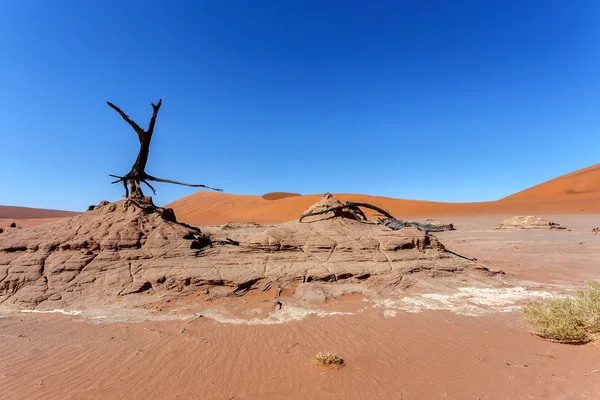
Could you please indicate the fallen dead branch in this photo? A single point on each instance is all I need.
(390, 221)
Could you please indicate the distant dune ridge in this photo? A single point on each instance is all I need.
(579, 184)
(26, 217)
(14, 212)
(573, 193)
(279, 195)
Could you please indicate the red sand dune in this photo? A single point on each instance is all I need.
(14, 212)
(581, 184)
(574, 193)
(26, 217)
(577, 192)
(278, 195)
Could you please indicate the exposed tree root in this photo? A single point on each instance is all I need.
(389, 220)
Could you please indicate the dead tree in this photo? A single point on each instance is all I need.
(138, 173)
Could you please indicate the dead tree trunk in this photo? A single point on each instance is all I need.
(138, 174)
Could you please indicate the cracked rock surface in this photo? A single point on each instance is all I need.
(528, 222)
(116, 250)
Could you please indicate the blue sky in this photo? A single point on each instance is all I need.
(437, 100)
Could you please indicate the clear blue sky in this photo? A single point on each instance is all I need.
(438, 100)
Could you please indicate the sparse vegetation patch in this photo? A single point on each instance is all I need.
(329, 359)
(568, 320)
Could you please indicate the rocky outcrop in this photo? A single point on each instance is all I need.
(103, 252)
(239, 225)
(115, 250)
(327, 202)
(528, 222)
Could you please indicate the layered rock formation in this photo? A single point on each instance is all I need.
(105, 251)
(328, 202)
(118, 249)
(528, 222)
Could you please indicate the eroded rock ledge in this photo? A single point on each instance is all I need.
(122, 248)
(528, 222)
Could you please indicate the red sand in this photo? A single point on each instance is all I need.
(582, 184)
(26, 217)
(574, 193)
(26, 223)
(427, 355)
(278, 195)
(14, 212)
(431, 355)
(204, 208)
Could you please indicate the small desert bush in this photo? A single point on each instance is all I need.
(328, 359)
(571, 319)
(589, 301)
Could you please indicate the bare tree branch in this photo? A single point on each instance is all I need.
(151, 178)
(135, 126)
(138, 174)
(155, 108)
(150, 186)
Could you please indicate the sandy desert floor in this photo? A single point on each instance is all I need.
(239, 349)
(25, 222)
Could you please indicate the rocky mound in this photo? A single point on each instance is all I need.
(327, 202)
(117, 249)
(105, 251)
(528, 222)
(239, 225)
(340, 248)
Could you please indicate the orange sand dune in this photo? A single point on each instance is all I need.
(581, 184)
(578, 192)
(205, 208)
(26, 217)
(278, 195)
(14, 212)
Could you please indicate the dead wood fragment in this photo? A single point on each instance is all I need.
(389, 220)
(396, 224)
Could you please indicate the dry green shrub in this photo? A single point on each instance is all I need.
(557, 319)
(589, 300)
(571, 319)
(329, 359)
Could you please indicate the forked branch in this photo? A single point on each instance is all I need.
(135, 126)
(138, 174)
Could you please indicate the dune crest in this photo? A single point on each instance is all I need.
(575, 193)
(279, 195)
(582, 183)
(14, 212)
